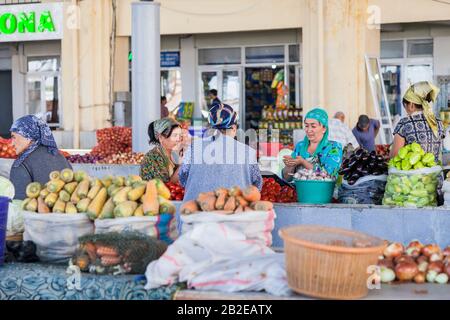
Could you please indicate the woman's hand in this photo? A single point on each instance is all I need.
(293, 162)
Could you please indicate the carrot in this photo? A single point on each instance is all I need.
(240, 201)
(262, 206)
(110, 260)
(208, 203)
(106, 251)
(221, 198)
(91, 251)
(239, 209)
(230, 205)
(189, 207)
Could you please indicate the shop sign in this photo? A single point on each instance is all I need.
(31, 22)
(170, 59)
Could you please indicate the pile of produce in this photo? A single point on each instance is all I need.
(112, 141)
(117, 253)
(123, 158)
(107, 198)
(360, 164)
(312, 175)
(408, 187)
(6, 149)
(176, 191)
(227, 201)
(87, 158)
(417, 262)
(274, 192)
(412, 157)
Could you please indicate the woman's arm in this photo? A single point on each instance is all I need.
(20, 179)
(399, 142)
(331, 160)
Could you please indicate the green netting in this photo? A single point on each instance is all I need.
(117, 253)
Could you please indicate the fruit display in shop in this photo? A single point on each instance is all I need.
(6, 149)
(69, 192)
(416, 262)
(412, 157)
(227, 201)
(362, 163)
(123, 158)
(86, 158)
(112, 141)
(176, 191)
(274, 192)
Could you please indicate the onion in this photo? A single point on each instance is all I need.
(387, 275)
(386, 263)
(431, 276)
(404, 258)
(441, 278)
(446, 252)
(406, 271)
(436, 257)
(413, 252)
(415, 244)
(429, 249)
(420, 277)
(421, 259)
(436, 266)
(393, 250)
(447, 269)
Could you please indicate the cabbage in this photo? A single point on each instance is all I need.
(6, 188)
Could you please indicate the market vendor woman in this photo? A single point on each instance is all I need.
(420, 125)
(162, 162)
(37, 153)
(315, 151)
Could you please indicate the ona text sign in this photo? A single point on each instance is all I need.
(31, 22)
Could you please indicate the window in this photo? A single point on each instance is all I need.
(219, 56)
(392, 49)
(171, 87)
(273, 54)
(294, 53)
(420, 48)
(43, 89)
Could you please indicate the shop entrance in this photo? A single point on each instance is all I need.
(5, 103)
(227, 82)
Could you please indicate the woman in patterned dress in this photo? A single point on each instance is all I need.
(420, 125)
(163, 161)
(315, 151)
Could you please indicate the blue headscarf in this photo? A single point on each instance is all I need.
(322, 117)
(222, 117)
(35, 129)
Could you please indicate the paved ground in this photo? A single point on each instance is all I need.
(408, 291)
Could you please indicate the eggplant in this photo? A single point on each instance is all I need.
(359, 152)
(345, 170)
(345, 163)
(380, 158)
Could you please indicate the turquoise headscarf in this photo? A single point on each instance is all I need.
(322, 117)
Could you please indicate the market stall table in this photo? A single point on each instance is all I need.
(41, 281)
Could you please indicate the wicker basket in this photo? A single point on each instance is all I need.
(329, 263)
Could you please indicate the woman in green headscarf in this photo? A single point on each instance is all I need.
(420, 125)
(163, 161)
(315, 151)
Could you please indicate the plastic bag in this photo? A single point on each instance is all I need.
(117, 253)
(367, 190)
(14, 225)
(56, 235)
(256, 225)
(446, 186)
(162, 227)
(415, 188)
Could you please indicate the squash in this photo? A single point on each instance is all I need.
(95, 207)
(262, 206)
(252, 194)
(189, 207)
(150, 201)
(222, 195)
(208, 203)
(230, 205)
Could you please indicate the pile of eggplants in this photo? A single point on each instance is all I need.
(361, 164)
